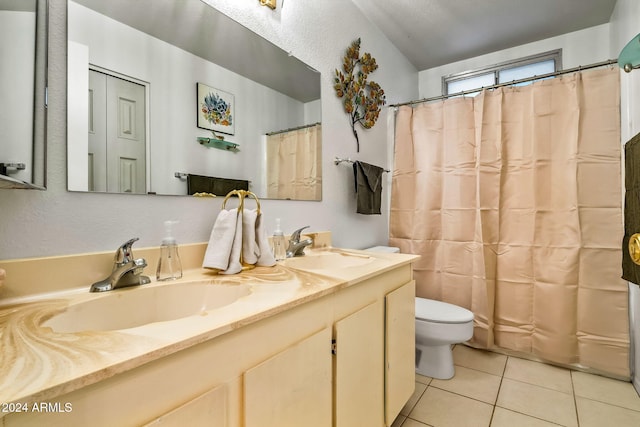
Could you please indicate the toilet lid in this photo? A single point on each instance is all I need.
(441, 312)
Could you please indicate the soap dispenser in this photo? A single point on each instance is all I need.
(279, 244)
(169, 266)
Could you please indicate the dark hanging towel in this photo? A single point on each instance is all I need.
(630, 270)
(213, 185)
(368, 180)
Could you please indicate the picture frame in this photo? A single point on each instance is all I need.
(215, 109)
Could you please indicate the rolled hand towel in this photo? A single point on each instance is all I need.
(236, 248)
(265, 254)
(250, 249)
(221, 240)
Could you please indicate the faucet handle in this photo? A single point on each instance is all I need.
(124, 254)
(295, 236)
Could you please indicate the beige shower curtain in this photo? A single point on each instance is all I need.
(294, 168)
(513, 199)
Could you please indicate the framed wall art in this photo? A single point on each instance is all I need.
(216, 109)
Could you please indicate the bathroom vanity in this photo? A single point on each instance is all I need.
(321, 340)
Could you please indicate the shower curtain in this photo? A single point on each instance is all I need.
(513, 200)
(294, 164)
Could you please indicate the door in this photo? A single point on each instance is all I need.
(359, 368)
(97, 167)
(293, 388)
(400, 349)
(208, 409)
(117, 135)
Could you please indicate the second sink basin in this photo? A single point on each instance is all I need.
(136, 306)
(327, 260)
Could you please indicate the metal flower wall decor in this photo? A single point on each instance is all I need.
(362, 97)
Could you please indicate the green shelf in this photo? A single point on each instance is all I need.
(218, 143)
(629, 58)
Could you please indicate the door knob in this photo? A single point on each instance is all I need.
(634, 248)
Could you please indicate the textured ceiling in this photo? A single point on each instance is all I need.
(431, 33)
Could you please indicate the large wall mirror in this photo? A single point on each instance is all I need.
(23, 71)
(177, 98)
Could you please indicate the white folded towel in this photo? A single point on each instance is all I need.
(250, 250)
(265, 254)
(235, 233)
(234, 258)
(221, 240)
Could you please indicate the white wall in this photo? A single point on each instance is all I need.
(578, 48)
(55, 222)
(624, 26)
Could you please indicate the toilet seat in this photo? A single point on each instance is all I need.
(441, 312)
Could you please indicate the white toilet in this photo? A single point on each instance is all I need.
(438, 326)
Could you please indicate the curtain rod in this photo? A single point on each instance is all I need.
(513, 82)
(292, 129)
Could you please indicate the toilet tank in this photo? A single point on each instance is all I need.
(385, 249)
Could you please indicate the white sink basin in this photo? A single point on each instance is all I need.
(136, 306)
(328, 260)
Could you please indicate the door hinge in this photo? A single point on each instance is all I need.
(334, 347)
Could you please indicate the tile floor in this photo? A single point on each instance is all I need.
(493, 390)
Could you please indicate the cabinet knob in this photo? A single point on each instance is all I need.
(634, 248)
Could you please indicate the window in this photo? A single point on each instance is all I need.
(474, 81)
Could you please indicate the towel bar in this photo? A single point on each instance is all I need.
(338, 160)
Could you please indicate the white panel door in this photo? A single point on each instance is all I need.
(117, 135)
(126, 164)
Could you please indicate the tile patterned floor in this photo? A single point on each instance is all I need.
(493, 390)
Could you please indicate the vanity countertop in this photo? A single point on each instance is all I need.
(38, 364)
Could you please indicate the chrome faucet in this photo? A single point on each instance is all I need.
(127, 271)
(296, 247)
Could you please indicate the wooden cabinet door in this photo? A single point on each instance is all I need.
(292, 388)
(400, 349)
(359, 368)
(208, 409)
